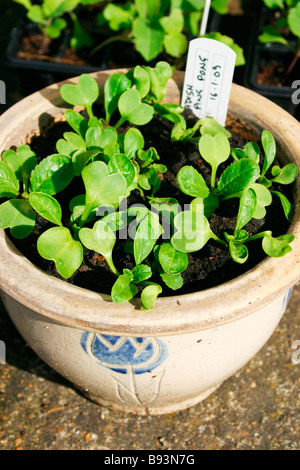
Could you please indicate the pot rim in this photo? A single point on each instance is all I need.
(60, 302)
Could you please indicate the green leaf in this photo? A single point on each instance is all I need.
(9, 185)
(211, 203)
(17, 215)
(46, 206)
(237, 177)
(192, 183)
(22, 162)
(286, 175)
(36, 15)
(114, 86)
(272, 35)
(193, 231)
(132, 110)
(26, 3)
(57, 244)
(277, 247)
(220, 6)
(141, 79)
(141, 272)
(167, 207)
(149, 296)
(65, 148)
(133, 141)
(264, 198)
(85, 93)
(117, 220)
(228, 41)
(100, 239)
(118, 16)
(212, 127)
(173, 23)
(103, 140)
(80, 158)
(148, 37)
(171, 260)
(159, 77)
(102, 188)
(123, 290)
(119, 163)
(175, 44)
(269, 146)
(78, 123)
(286, 205)
(54, 8)
(80, 37)
(238, 252)
(149, 230)
(75, 140)
(55, 28)
(146, 8)
(215, 150)
(294, 20)
(77, 206)
(147, 179)
(173, 281)
(278, 4)
(247, 208)
(251, 150)
(52, 175)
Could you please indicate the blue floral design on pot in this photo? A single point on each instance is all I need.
(286, 298)
(120, 353)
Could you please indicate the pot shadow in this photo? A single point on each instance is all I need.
(21, 356)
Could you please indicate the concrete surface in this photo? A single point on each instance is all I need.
(258, 408)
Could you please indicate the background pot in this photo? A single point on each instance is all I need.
(260, 55)
(168, 359)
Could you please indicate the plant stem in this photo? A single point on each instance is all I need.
(213, 177)
(217, 239)
(111, 265)
(122, 38)
(25, 185)
(120, 122)
(89, 111)
(84, 216)
(257, 236)
(292, 65)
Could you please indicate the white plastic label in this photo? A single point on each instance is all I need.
(208, 79)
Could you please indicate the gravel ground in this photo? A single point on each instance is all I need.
(257, 408)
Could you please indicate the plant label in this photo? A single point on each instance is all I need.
(208, 79)
(2, 352)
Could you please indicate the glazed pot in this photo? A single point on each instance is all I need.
(176, 355)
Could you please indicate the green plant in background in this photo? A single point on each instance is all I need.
(289, 19)
(158, 26)
(49, 15)
(112, 162)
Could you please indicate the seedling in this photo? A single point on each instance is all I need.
(289, 19)
(49, 15)
(107, 154)
(155, 27)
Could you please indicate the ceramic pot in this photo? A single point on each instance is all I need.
(176, 355)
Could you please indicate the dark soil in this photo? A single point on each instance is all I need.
(210, 266)
(273, 71)
(34, 46)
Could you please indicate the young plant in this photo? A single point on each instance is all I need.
(107, 157)
(157, 26)
(49, 15)
(289, 19)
